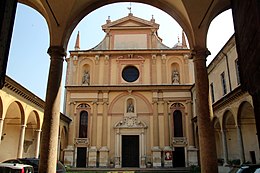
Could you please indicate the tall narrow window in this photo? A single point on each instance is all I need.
(223, 81)
(83, 126)
(212, 92)
(237, 72)
(177, 118)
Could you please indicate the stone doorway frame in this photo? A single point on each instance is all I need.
(130, 125)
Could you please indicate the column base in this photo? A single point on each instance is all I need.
(192, 156)
(143, 162)
(157, 159)
(117, 162)
(92, 157)
(103, 157)
(69, 155)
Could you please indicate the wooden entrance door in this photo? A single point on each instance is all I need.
(130, 151)
(81, 157)
(178, 157)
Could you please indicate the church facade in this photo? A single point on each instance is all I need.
(130, 100)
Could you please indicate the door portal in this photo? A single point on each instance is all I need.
(130, 151)
(178, 157)
(81, 157)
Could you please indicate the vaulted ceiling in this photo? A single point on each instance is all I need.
(193, 16)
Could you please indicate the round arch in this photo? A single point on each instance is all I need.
(133, 94)
(218, 137)
(13, 121)
(245, 112)
(247, 129)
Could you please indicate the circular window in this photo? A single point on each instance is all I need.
(130, 73)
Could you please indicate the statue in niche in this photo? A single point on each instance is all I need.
(85, 79)
(130, 107)
(175, 77)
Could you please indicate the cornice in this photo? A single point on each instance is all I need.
(138, 87)
(136, 51)
(228, 98)
(12, 85)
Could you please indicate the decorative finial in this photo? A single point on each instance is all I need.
(130, 9)
(152, 20)
(108, 19)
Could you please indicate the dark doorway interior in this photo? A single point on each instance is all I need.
(130, 151)
(178, 157)
(81, 157)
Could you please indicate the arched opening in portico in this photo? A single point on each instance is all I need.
(218, 137)
(246, 123)
(13, 121)
(31, 135)
(229, 136)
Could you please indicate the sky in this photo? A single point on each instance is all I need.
(28, 62)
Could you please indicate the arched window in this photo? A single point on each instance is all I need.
(177, 122)
(83, 124)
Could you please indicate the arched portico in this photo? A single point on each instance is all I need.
(247, 133)
(62, 19)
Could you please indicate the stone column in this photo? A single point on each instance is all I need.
(50, 127)
(92, 153)
(104, 127)
(208, 156)
(192, 151)
(166, 125)
(103, 158)
(189, 124)
(94, 125)
(156, 152)
(37, 147)
(155, 124)
(117, 147)
(69, 150)
(225, 149)
(1, 128)
(241, 145)
(161, 125)
(142, 140)
(164, 75)
(21, 142)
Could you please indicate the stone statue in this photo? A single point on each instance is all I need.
(175, 77)
(85, 79)
(130, 108)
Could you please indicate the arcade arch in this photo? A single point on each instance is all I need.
(196, 34)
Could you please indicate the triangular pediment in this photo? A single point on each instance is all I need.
(131, 21)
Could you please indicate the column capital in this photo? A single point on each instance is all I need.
(57, 51)
(199, 52)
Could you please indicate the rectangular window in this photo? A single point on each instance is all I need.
(223, 82)
(237, 72)
(212, 92)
